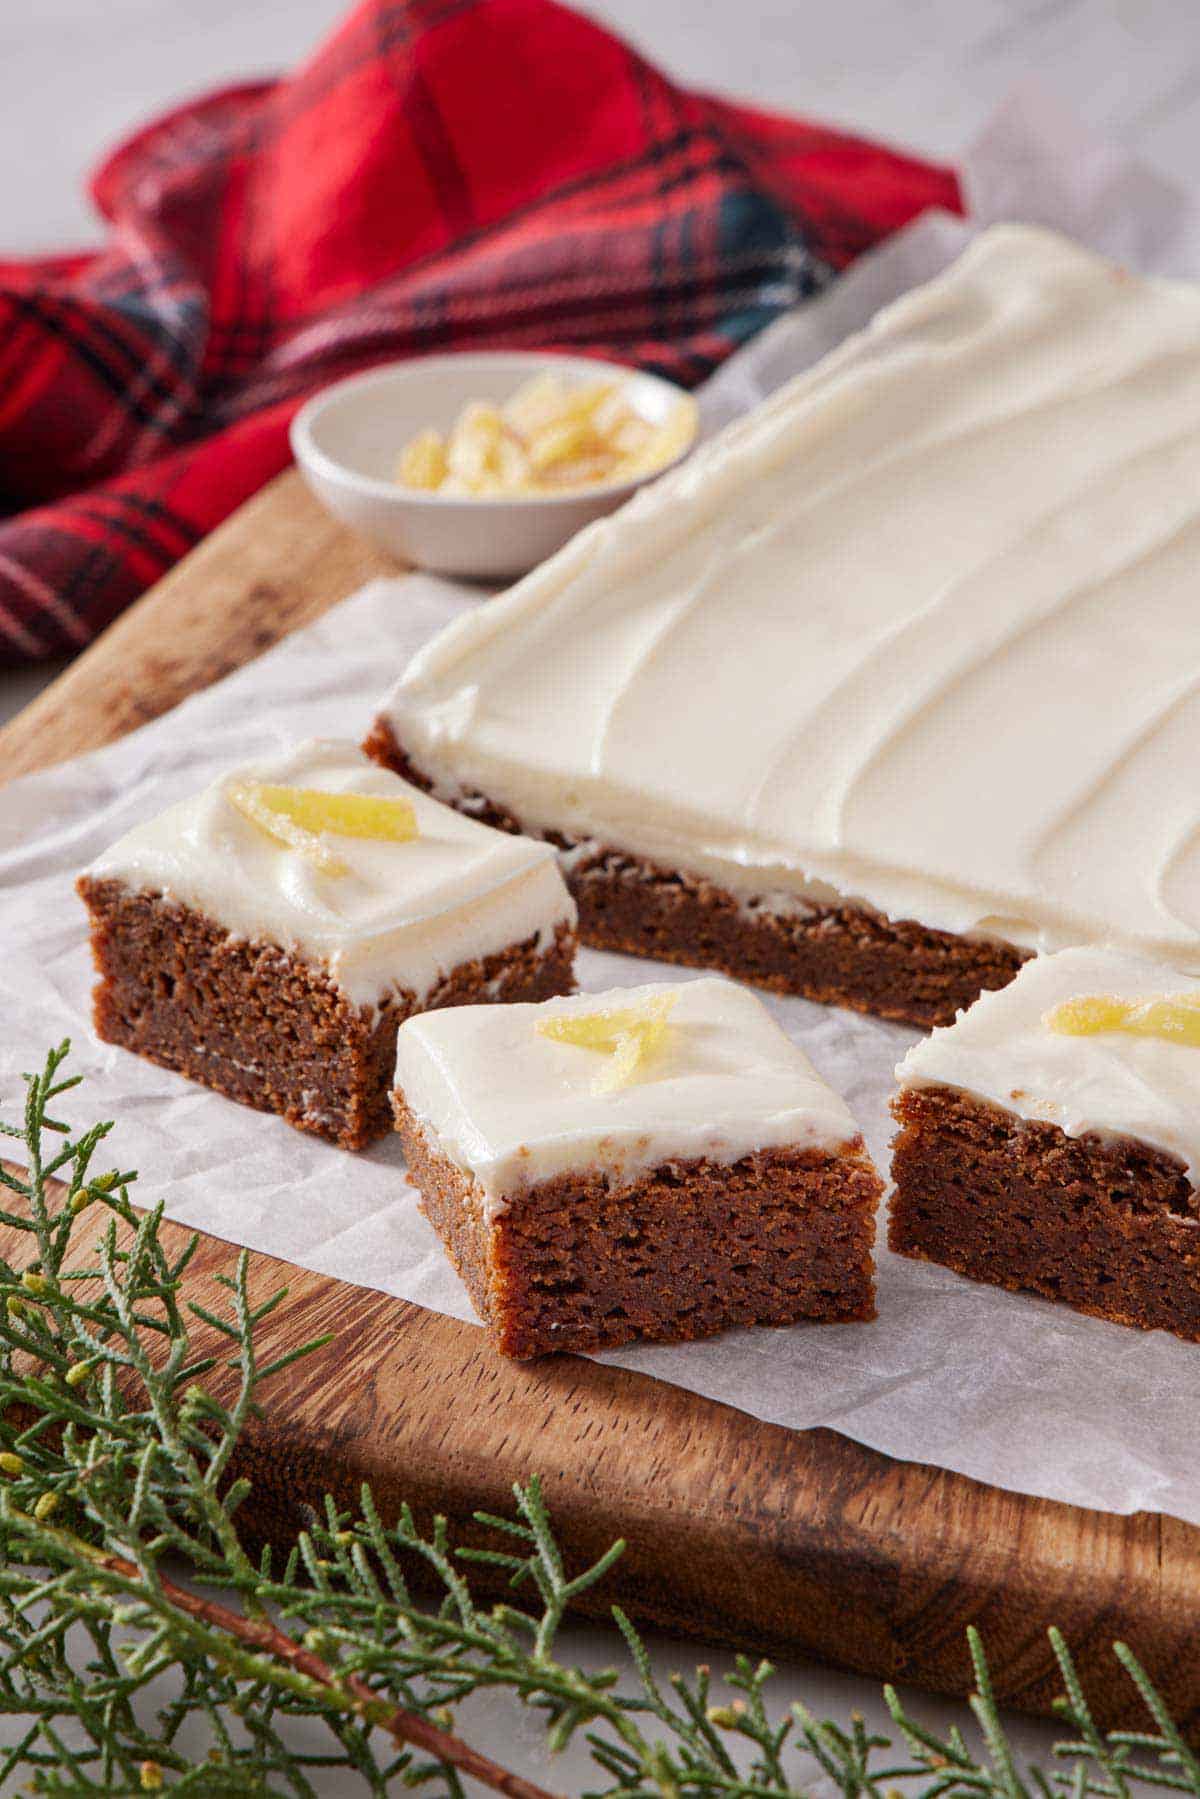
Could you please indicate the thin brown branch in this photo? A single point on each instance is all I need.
(404, 1727)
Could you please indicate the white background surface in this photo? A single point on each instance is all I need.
(75, 74)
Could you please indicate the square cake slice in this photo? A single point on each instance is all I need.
(656, 1162)
(1049, 1140)
(267, 936)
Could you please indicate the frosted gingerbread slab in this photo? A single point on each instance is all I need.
(863, 701)
(655, 1162)
(1049, 1139)
(267, 936)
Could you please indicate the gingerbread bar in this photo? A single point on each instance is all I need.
(657, 1162)
(267, 936)
(1049, 1140)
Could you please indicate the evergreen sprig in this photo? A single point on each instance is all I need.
(122, 1567)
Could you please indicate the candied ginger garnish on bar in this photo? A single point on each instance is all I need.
(1175, 1017)
(300, 817)
(600, 1029)
(247, 797)
(628, 1035)
(370, 815)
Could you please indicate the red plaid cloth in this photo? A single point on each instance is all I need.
(442, 173)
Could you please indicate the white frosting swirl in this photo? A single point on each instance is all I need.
(401, 917)
(920, 631)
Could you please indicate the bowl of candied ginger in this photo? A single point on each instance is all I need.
(483, 464)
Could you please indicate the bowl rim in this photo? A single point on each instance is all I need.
(307, 451)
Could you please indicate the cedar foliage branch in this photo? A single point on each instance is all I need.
(122, 1564)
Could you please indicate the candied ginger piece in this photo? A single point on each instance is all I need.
(632, 435)
(1175, 1017)
(246, 796)
(628, 1035)
(512, 463)
(580, 471)
(300, 817)
(474, 444)
(588, 402)
(422, 461)
(536, 403)
(600, 1029)
(631, 1050)
(613, 413)
(373, 815)
(1086, 1017)
(664, 443)
(561, 442)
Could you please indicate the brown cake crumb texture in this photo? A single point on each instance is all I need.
(1110, 1227)
(843, 955)
(693, 1248)
(266, 1027)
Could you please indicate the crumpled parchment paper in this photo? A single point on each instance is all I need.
(1013, 1391)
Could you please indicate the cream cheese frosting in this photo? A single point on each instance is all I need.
(1115, 1083)
(403, 914)
(919, 632)
(512, 1107)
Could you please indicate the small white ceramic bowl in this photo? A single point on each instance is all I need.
(348, 439)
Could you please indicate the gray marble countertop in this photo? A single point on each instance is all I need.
(922, 73)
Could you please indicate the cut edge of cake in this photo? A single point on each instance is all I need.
(836, 954)
(307, 1029)
(558, 1270)
(287, 1038)
(1043, 1162)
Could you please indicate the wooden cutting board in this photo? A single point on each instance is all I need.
(741, 1532)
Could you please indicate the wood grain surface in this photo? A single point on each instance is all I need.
(738, 1531)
